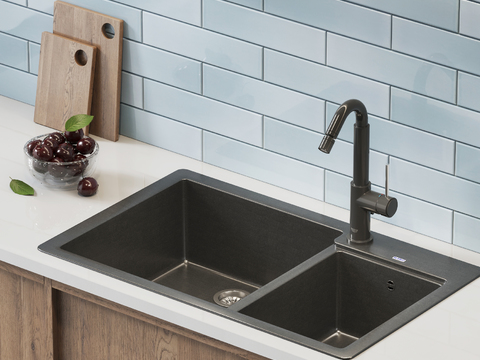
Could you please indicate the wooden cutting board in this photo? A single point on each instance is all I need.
(65, 80)
(106, 33)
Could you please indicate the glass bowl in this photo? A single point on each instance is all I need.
(64, 175)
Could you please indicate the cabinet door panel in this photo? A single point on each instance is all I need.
(85, 330)
(24, 323)
(87, 327)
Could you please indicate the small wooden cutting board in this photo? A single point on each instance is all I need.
(65, 80)
(106, 33)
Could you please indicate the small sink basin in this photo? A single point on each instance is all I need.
(342, 298)
(196, 236)
(267, 264)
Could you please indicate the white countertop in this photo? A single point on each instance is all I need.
(450, 330)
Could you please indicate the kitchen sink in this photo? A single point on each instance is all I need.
(262, 262)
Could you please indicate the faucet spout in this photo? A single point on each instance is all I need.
(339, 119)
(363, 201)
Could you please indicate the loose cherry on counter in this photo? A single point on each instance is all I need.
(88, 186)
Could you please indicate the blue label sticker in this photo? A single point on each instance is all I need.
(398, 259)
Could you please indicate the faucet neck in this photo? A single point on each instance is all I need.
(361, 154)
(361, 138)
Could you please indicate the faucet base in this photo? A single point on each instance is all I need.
(359, 216)
(359, 242)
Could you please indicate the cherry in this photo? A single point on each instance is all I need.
(80, 160)
(86, 145)
(56, 168)
(75, 169)
(65, 151)
(50, 141)
(87, 186)
(79, 157)
(42, 152)
(40, 166)
(57, 136)
(73, 136)
(31, 145)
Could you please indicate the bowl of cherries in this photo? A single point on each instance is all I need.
(61, 159)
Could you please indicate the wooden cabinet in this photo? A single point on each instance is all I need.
(25, 315)
(44, 319)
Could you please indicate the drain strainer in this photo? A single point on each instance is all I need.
(229, 297)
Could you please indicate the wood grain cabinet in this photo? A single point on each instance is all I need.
(25, 315)
(44, 319)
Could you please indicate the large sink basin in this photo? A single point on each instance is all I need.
(273, 266)
(197, 236)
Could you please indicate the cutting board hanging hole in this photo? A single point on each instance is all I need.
(108, 31)
(81, 57)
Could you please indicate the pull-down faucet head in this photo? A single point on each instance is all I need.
(339, 119)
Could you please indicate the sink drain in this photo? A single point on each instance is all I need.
(229, 297)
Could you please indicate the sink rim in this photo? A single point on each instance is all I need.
(383, 248)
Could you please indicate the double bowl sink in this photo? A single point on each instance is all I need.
(256, 260)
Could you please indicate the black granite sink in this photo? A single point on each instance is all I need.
(191, 237)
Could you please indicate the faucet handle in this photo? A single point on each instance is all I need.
(387, 170)
(379, 203)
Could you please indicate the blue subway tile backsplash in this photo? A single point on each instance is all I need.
(436, 45)
(434, 186)
(468, 91)
(17, 84)
(33, 57)
(250, 85)
(162, 132)
(23, 22)
(468, 162)
(444, 15)
(436, 117)
(188, 11)
(160, 65)
(255, 4)
(265, 98)
(466, 229)
(203, 45)
(325, 82)
(263, 29)
(263, 165)
(132, 90)
(337, 16)
(203, 112)
(469, 15)
(17, 54)
(391, 67)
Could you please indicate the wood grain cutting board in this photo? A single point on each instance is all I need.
(65, 80)
(106, 33)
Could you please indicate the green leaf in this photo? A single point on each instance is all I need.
(20, 188)
(77, 122)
